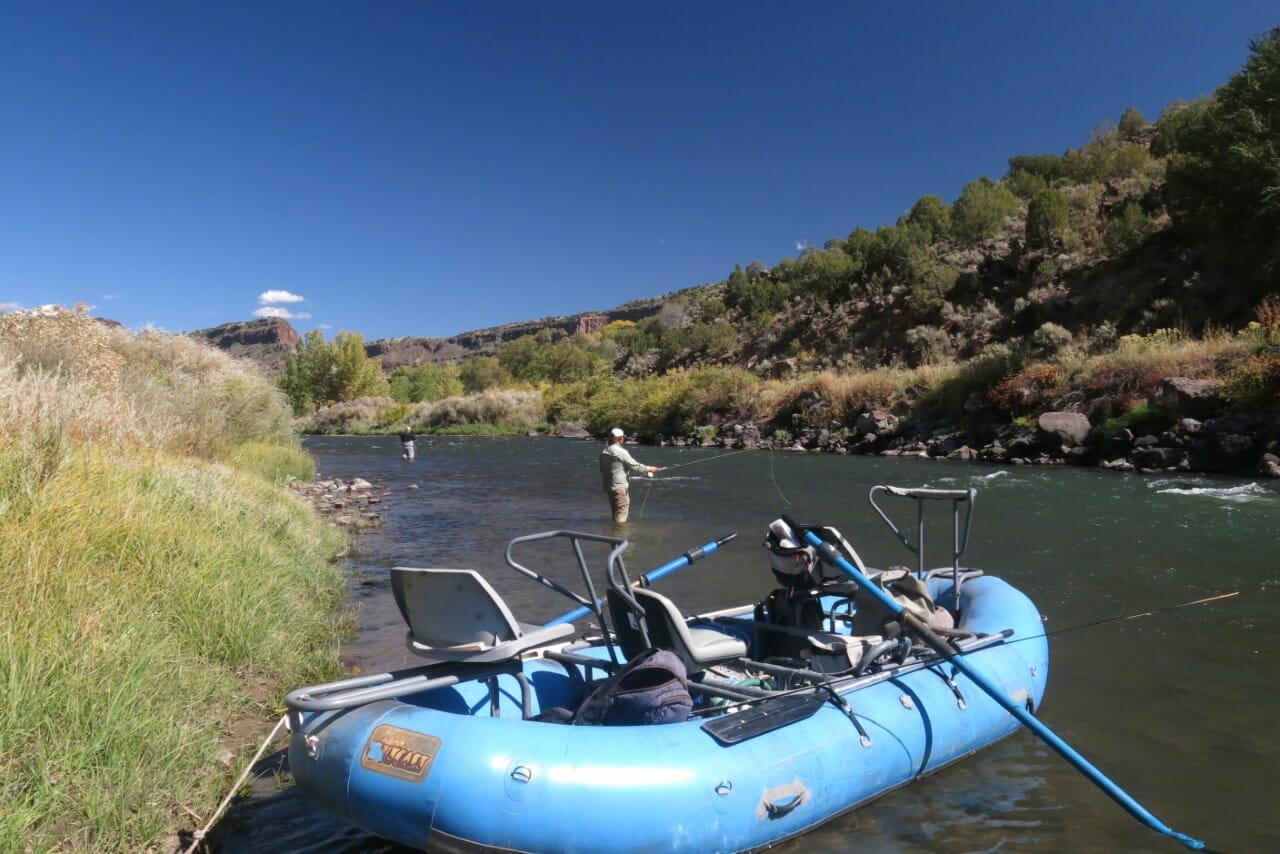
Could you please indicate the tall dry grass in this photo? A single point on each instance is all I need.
(65, 373)
(158, 584)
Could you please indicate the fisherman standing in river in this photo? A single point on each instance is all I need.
(615, 462)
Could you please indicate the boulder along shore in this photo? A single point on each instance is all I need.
(1237, 445)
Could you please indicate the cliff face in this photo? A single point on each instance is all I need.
(268, 341)
(411, 352)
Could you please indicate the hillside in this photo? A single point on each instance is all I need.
(914, 292)
(1115, 304)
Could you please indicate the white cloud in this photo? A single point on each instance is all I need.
(270, 297)
(282, 313)
(802, 245)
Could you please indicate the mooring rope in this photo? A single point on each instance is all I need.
(199, 835)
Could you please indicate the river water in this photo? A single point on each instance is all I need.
(1177, 707)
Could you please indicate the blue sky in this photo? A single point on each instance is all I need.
(427, 168)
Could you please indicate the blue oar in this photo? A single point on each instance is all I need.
(651, 576)
(830, 555)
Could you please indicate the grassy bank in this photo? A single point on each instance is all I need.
(161, 587)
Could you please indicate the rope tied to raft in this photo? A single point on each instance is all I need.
(199, 836)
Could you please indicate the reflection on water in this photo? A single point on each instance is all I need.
(1177, 707)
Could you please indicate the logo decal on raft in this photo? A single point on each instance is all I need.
(400, 753)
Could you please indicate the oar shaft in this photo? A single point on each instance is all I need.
(830, 555)
(651, 576)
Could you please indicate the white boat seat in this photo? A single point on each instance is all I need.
(454, 615)
(699, 647)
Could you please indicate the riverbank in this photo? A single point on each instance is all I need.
(162, 587)
(1240, 445)
(153, 610)
(1157, 403)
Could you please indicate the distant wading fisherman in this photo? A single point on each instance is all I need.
(615, 462)
(406, 443)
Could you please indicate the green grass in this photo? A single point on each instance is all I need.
(147, 605)
(273, 462)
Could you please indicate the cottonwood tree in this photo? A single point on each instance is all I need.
(322, 373)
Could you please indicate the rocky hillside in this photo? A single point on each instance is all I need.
(270, 341)
(411, 352)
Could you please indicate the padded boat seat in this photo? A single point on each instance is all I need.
(699, 647)
(454, 615)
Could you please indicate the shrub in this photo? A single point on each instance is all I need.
(933, 216)
(976, 376)
(929, 344)
(1265, 331)
(354, 417)
(1127, 229)
(1048, 219)
(1049, 339)
(1254, 383)
(981, 210)
(510, 409)
(1132, 123)
(1179, 120)
(1046, 167)
(930, 283)
(1028, 390)
(1139, 417)
(842, 397)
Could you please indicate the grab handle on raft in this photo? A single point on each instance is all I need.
(694, 554)
(832, 557)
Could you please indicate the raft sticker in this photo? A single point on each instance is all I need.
(400, 753)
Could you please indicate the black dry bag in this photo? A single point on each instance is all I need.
(649, 689)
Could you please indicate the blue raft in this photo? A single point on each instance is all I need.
(800, 708)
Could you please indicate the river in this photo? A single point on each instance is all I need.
(1178, 707)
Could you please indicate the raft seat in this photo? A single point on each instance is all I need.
(454, 615)
(698, 647)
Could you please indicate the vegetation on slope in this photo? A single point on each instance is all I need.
(160, 584)
(1079, 280)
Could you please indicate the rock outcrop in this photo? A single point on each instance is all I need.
(268, 342)
(411, 352)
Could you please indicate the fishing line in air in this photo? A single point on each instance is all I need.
(1150, 613)
(649, 487)
(785, 500)
(708, 459)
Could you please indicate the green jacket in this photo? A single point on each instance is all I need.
(614, 463)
